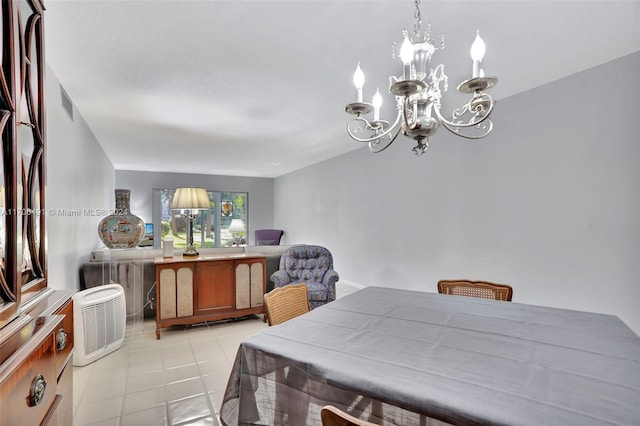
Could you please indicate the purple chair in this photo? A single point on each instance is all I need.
(267, 237)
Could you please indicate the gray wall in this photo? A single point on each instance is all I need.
(79, 176)
(141, 185)
(548, 203)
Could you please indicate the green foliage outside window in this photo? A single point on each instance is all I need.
(208, 224)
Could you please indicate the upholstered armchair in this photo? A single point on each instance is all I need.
(311, 265)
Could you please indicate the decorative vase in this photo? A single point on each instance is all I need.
(121, 229)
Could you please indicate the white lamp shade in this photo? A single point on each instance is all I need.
(237, 226)
(190, 199)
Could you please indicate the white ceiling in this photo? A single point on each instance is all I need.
(258, 88)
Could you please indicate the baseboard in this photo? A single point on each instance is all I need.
(351, 284)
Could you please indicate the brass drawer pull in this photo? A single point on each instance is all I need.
(38, 385)
(61, 339)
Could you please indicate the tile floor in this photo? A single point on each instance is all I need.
(177, 380)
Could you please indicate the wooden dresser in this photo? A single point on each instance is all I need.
(208, 288)
(36, 368)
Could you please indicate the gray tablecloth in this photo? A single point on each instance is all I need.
(460, 360)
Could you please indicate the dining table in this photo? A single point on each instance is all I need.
(403, 357)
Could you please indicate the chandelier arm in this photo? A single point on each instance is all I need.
(376, 151)
(462, 135)
(471, 123)
(368, 125)
(455, 127)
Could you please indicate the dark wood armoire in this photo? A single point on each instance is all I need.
(36, 323)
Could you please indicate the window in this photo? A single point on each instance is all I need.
(210, 227)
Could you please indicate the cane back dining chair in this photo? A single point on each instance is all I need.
(333, 416)
(481, 289)
(283, 304)
(287, 302)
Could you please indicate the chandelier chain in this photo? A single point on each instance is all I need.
(418, 16)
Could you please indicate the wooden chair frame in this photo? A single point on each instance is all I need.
(283, 303)
(481, 289)
(333, 416)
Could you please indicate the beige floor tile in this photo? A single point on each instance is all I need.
(214, 366)
(176, 348)
(209, 345)
(81, 377)
(230, 346)
(145, 367)
(144, 400)
(216, 352)
(145, 381)
(105, 390)
(145, 355)
(216, 400)
(98, 411)
(109, 422)
(185, 389)
(215, 382)
(172, 334)
(217, 329)
(189, 409)
(106, 375)
(196, 330)
(205, 421)
(114, 359)
(156, 416)
(83, 373)
(179, 374)
(178, 360)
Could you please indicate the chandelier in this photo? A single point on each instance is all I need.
(418, 93)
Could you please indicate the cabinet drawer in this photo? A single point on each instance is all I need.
(36, 371)
(64, 336)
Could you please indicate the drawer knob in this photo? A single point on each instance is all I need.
(61, 339)
(38, 385)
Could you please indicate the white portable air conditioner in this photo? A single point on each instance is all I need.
(99, 319)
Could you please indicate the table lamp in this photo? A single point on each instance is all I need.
(236, 227)
(189, 201)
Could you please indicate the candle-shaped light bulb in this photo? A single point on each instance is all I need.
(377, 103)
(406, 56)
(358, 81)
(477, 53)
(478, 48)
(406, 50)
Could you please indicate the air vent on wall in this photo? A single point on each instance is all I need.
(66, 103)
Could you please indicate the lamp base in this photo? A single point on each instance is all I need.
(190, 253)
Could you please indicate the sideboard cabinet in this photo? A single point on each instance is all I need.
(210, 288)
